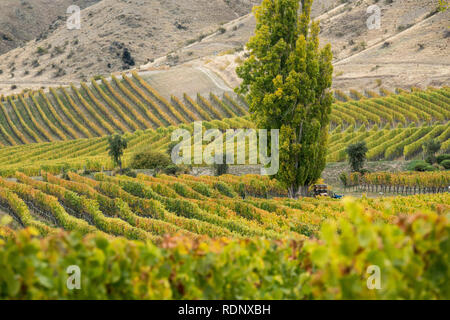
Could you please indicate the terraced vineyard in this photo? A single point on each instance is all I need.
(402, 108)
(68, 127)
(388, 143)
(199, 234)
(403, 182)
(131, 103)
(148, 208)
(91, 154)
(211, 227)
(101, 108)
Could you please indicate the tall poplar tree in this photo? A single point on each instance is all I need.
(286, 81)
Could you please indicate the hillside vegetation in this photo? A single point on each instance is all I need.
(263, 248)
(68, 126)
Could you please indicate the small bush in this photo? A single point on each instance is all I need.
(446, 164)
(201, 37)
(127, 58)
(442, 157)
(221, 168)
(420, 165)
(59, 73)
(41, 51)
(429, 149)
(128, 172)
(58, 50)
(175, 170)
(172, 169)
(150, 160)
(344, 179)
(41, 71)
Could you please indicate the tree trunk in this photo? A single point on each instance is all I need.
(304, 191)
(292, 190)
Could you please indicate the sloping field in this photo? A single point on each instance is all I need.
(147, 208)
(120, 104)
(168, 98)
(383, 144)
(216, 238)
(179, 80)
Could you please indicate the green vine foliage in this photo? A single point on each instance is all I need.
(412, 254)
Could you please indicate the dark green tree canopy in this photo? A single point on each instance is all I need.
(116, 145)
(429, 149)
(357, 155)
(286, 80)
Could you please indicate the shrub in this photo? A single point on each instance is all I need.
(446, 164)
(173, 169)
(420, 165)
(128, 172)
(344, 179)
(357, 155)
(41, 51)
(430, 159)
(127, 58)
(364, 171)
(442, 157)
(430, 148)
(150, 160)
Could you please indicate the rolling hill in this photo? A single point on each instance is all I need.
(212, 35)
(146, 29)
(409, 50)
(68, 126)
(26, 20)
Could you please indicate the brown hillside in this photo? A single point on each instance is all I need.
(146, 29)
(25, 20)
